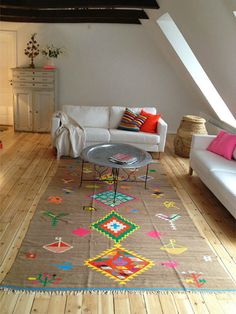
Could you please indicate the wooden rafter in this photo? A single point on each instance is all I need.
(144, 4)
(71, 20)
(81, 13)
(74, 16)
(72, 11)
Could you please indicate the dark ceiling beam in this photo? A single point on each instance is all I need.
(73, 16)
(70, 20)
(144, 4)
(77, 13)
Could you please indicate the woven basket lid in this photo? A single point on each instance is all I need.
(194, 119)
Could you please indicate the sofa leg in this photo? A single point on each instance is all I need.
(190, 172)
(156, 155)
(54, 151)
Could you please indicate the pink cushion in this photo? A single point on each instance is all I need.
(224, 144)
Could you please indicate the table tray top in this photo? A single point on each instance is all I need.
(99, 154)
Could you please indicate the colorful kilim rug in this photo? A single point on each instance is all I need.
(79, 240)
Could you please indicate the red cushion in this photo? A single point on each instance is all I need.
(150, 125)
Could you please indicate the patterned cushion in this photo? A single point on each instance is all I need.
(131, 122)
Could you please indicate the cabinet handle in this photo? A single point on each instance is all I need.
(36, 111)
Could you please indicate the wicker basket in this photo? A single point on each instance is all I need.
(189, 125)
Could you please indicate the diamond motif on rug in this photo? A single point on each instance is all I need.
(81, 232)
(115, 226)
(107, 198)
(119, 264)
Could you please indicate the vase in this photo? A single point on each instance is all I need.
(32, 63)
(50, 64)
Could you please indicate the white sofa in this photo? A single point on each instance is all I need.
(218, 173)
(100, 124)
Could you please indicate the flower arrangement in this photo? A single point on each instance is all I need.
(52, 51)
(32, 49)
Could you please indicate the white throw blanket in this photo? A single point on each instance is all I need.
(69, 137)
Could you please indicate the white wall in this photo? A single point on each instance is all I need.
(7, 61)
(113, 64)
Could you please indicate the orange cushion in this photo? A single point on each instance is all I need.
(150, 125)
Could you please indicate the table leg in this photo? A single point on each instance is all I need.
(82, 171)
(147, 168)
(115, 178)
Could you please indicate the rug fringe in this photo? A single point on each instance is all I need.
(107, 292)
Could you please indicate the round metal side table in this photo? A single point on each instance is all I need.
(100, 155)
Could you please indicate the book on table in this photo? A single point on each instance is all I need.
(121, 158)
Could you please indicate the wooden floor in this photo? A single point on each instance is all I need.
(26, 167)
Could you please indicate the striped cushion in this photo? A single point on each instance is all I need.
(131, 121)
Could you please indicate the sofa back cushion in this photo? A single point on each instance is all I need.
(89, 116)
(223, 144)
(117, 112)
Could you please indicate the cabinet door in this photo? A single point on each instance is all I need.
(22, 110)
(43, 107)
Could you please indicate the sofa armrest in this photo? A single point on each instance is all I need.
(54, 126)
(201, 141)
(162, 132)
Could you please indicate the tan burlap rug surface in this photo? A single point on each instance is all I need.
(79, 240)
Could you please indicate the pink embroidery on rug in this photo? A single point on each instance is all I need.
(170, 264)
(154, 234)
(81, 232)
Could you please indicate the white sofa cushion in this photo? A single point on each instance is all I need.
(89, 116)
(133, 137)
(207, 161)
(97, 135)
(116, 114)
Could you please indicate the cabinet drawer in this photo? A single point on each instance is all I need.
(32, 73)
(32, 85)
(29, 79)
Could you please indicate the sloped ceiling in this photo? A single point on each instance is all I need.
(72, 11)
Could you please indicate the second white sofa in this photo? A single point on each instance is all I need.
(217, 172)
(101, 126)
